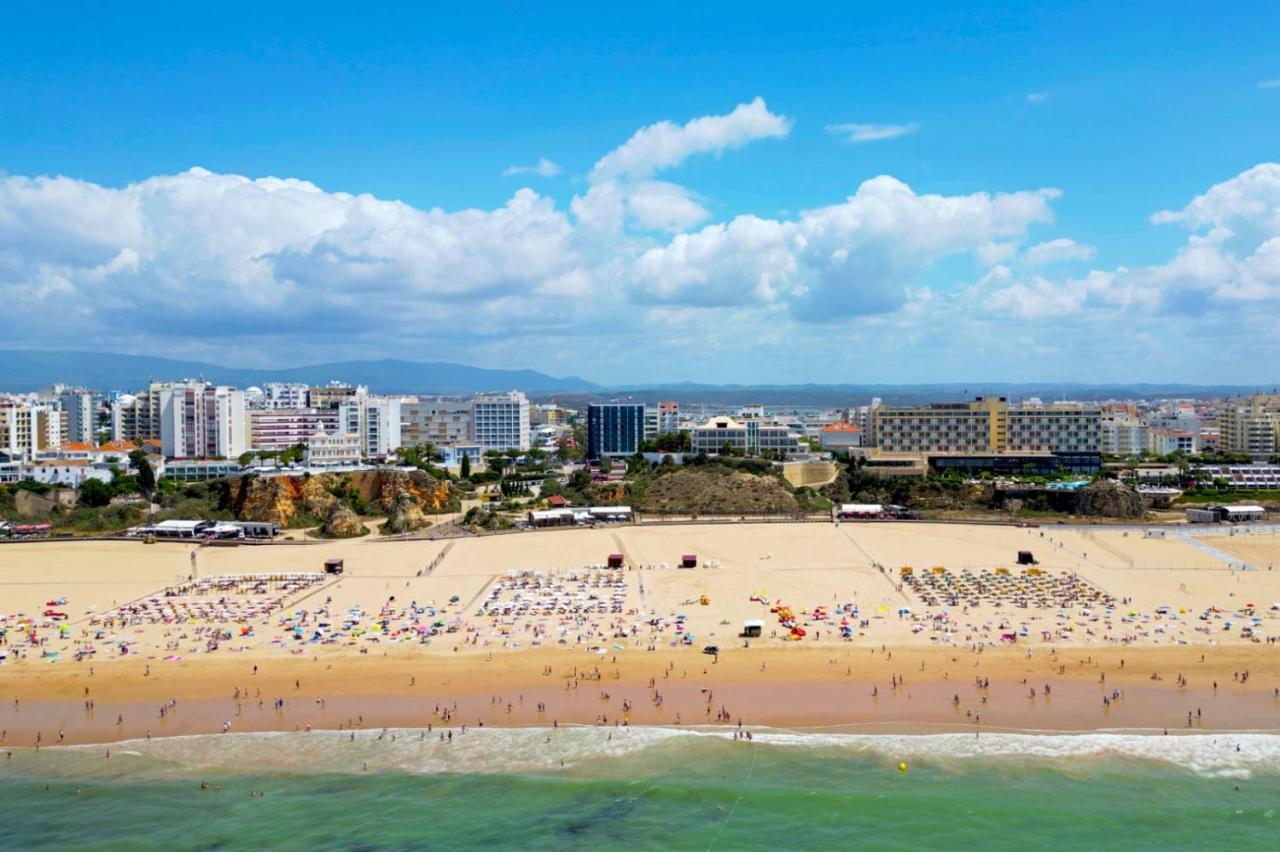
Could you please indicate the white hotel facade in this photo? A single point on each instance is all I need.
(500, 421)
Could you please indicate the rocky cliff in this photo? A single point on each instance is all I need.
(305, 500)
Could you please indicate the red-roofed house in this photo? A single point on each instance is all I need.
(839, 436)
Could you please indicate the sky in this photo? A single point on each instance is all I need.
(821, 193)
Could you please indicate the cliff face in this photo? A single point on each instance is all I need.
(281, 499)
(287, 500)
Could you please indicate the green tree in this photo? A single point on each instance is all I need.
(464, 469)
(244, 458)
(94, 492)
(146, 474)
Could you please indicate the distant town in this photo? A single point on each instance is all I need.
(115, 446)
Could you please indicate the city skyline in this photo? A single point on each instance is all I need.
(883, 212)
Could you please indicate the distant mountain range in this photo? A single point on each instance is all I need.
(22, 369)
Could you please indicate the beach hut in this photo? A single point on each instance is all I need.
(753, 628)
(615, 560)
(333, 566)
(689, 560)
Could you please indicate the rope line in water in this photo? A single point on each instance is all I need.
(729, 816)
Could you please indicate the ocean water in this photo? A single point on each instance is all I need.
(647, 788)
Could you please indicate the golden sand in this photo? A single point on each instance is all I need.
(586, 668)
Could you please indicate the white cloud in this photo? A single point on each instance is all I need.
(1230, 261)
(543, 168)
(234, 254)
(1057, 250)
(1037, 97)
(871, 132)
(1269, 84)
(848, 259)
(658, 205)
(665, 145)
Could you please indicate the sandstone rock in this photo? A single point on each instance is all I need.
(1107, 498)
(341, 522)
(405, 515)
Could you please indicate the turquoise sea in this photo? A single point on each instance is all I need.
(647, 788)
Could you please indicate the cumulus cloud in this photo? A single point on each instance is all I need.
(871, 132)
(543, 168)
(1231, 259)
(1269, 84)
(291, 272)
(848, 259)
(663, 206)
(1057, 250)
(665, 145)
(236, 253)
(1037, 97)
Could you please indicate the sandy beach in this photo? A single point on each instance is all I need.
(1109, 629)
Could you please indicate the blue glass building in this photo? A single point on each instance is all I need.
(614, 429)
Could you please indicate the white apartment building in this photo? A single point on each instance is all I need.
(500, 421)
(275, 429)
(131, 418)
(289, 395)
(29, 428)
(442, 422)
(751, 437)
(375, 420)
(668, 413)
(1165, 441)
(338, 449)
(71, 473)
(1251, 425)
(79, 417)
(1124, 435)
(201, 421)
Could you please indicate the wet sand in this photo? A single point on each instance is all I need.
(851, 690)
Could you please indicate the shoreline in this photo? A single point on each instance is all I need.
(810, 690)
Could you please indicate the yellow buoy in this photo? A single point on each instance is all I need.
(902, 767)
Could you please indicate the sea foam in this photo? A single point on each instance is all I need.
(612, 751)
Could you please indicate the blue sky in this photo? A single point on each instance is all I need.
(994, 221)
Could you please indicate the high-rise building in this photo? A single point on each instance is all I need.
(668, 417)
(987, 425)
(131, 418)
(290, 395)
(442, 422)
(275, 429)
(1123, 435)
(334, 394)
(29, 428)
(375, 419)
(201, 421)
(614, 429)
(500, 421)
(1251, 425)
(79, 416)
